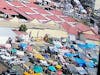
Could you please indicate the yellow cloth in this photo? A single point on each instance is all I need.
(37, 74)
(31, 72)
(26, 73)
(58, 66)
(51, 61)
(39, 56)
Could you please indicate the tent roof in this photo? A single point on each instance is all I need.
(92, 37)
(35, 21)
(16, 3)
(51, 23)
(56, 12)
(37, 16)
(25, 9)
(41, 11)
(15, 19)
(69, 19)
(82, 27)
(54, 18)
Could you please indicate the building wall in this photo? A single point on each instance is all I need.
(97, 4)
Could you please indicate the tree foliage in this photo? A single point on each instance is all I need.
(23, 28)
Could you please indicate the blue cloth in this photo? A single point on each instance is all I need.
(46, 56)
(68, 55)
(87, 46)
(14, 50)
(72, 46)
(90, 64)
(23, 45)
(52, 68)
(38, 69)
(80, 61)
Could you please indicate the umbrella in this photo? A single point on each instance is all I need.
(58, 66)
(52, 68)
(14, 50)
(38, 69)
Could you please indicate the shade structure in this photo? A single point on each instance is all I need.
(39, 56)
(14, 50)
(38, 69)
(52, 68)
(58, 66)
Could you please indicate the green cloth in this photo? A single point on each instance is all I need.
(38, 69)
(13, 50)
(94, 60)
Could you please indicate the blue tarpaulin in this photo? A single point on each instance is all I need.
(86, 46)
(80, 61)
(68, 55)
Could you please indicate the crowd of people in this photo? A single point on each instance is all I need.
(53, 57)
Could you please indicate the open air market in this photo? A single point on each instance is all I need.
(48, 37)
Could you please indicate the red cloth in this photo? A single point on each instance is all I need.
(59, 72)
(64, 48)
(29, 48)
